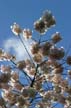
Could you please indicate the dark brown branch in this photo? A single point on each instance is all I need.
(34, 76)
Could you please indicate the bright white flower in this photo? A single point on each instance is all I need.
(16, 29)
(27, 33)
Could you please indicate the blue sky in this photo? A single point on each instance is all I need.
(25, 12)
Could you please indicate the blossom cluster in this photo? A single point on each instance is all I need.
(46, 74)
(45, 22)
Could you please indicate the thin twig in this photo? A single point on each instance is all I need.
(45, 41)
(68, 51)
(21, 70)
(54, 105)
(26, 49)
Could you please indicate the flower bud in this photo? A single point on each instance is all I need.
(16, 29)
(56, 37)
(27, 33)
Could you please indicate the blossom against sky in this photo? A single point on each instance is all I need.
(25, 12)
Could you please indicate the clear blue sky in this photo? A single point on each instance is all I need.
(25, 12)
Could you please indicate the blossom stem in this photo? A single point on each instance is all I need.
(26, 49)
(43, 41)
(21, 70)
(54, 105)
(67, 51)
(34, 76)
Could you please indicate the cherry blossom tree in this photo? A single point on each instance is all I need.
(45, 73)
